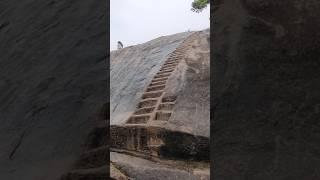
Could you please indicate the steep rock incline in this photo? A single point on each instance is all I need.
(266, 89)
(53, 83)
(132, 68)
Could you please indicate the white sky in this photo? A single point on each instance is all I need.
(138, 21)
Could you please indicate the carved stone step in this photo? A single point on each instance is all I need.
(172, 61)
(138, 119)
(169, 63)
(176, 56)
(169, 66)
(158, 83)
(162, 75)
(163, 115)
(166, 106)
(159, 79)
(155, 88)
(173, 58)
(181, 48)
(154, 94)
(147, 103)
(165, 71)
(100, 173)
(180, 51)
(144, 110)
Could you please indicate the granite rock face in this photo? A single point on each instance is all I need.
(53, 77)
(132, 68)
(266, 88)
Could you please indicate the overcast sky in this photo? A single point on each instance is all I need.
(138, 21)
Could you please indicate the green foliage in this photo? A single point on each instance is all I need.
(199, 5)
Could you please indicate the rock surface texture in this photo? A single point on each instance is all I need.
(160, 108)
(266, 89)
(53, 78)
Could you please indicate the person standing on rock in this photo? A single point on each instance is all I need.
(120, 45)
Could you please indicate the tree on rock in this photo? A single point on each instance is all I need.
(199, 5)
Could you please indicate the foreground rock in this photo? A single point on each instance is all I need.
(144, 169)
(266, 89)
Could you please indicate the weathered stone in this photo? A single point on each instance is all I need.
(187, 81)
(168, 113)
(266, 89)
(142, 169)
(172, 144)
(131, 69)
(116, 173)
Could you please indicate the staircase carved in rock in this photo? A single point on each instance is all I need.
(145, 131)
